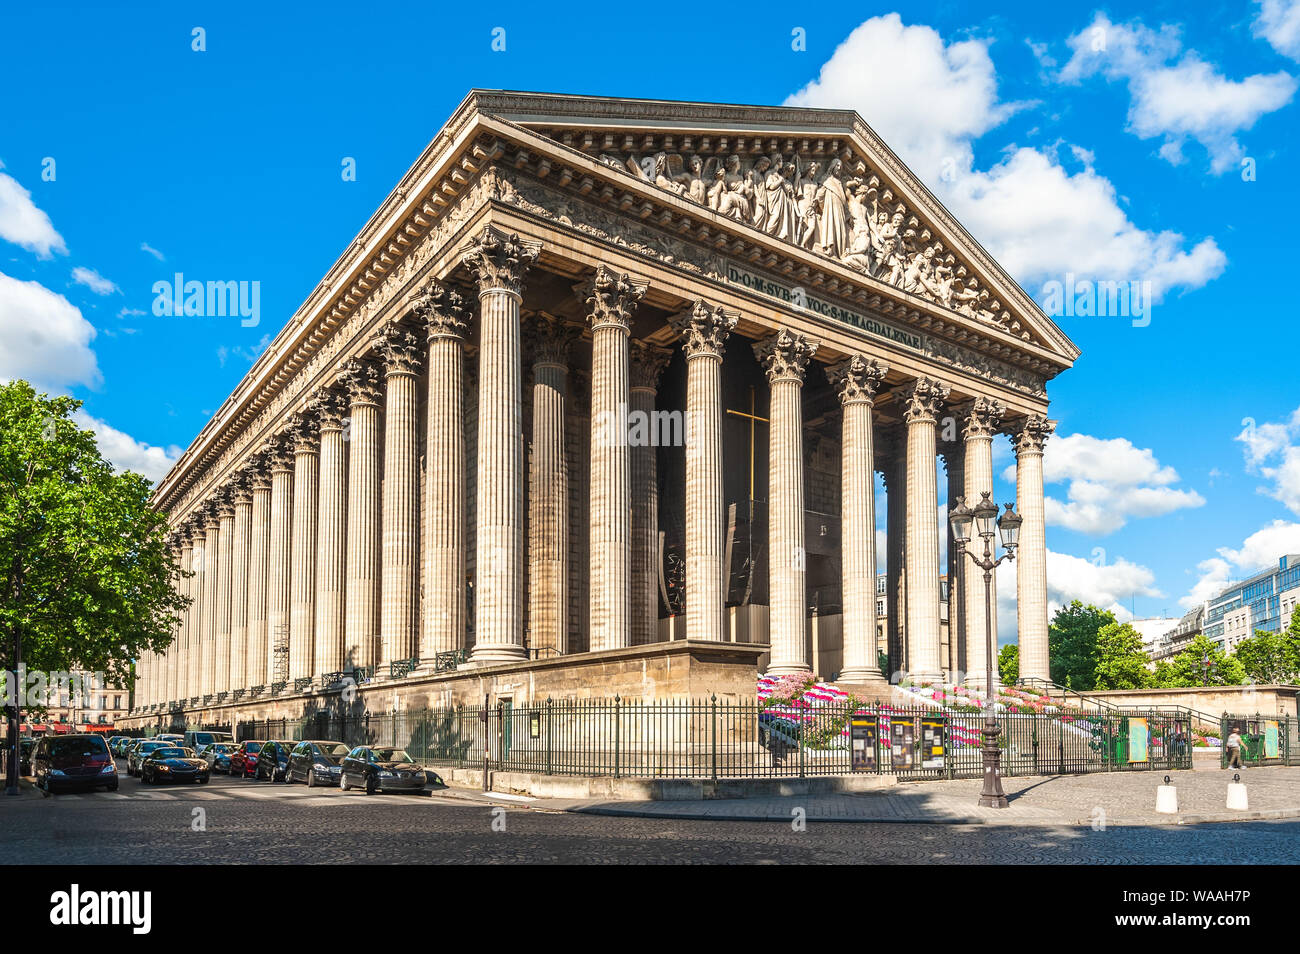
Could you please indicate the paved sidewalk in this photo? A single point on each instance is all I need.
(1120, 798)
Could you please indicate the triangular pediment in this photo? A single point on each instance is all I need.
(819, 180)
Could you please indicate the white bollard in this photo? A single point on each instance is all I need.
(1166, 799)
(1237, 795)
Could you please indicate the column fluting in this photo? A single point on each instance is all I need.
(1029, 435)
(242, 498)
(979, 420)
(361, 630)
(331, 522)
(646, 363)
(921, 400)
(259, 538)
(400, 351)
(279, 562)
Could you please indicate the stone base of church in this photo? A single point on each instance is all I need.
(679, 670)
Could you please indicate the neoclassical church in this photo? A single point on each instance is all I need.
(595, 403)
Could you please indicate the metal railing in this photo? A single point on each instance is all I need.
(713, 739)
(1265, 739)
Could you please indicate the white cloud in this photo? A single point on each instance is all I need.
(22, 223)
(43, 337)
(1278, 22)
(1109, 586)
(93, 280)
(930, 101)
(1272, 450)
(125, 452)
(1259, 550)
(1110, 482)
(146, 247)
(1174, 94)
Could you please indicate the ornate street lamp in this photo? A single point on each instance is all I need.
(983, 518)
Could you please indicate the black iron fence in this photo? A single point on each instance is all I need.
(713, 739)
(1265, 739)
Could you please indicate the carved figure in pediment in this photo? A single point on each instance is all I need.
(805, 190)
(782, 215)
(697, 180)
(757, 176)
(833, 217)
(667, 171)
(730, 193)
(861, 251)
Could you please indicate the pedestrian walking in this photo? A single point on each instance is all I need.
(1234, 748)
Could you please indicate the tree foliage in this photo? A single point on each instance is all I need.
(1072, 644)
(1202, 663)
(1009, 664)
(1270, 658)
(87, 580)
(1121, 659)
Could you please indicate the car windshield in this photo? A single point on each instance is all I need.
(252, 746)
(334, 751)
(62, 748)
(170, 752)
(150, 746)
(392, 755)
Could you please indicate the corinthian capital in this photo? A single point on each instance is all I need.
(856, 378)
(499, 260)
(785, 355)
(921, 400)
(399, 349)
(330, 408)
(704, 329)
(645, 363)
(442, 311)
(611, 298)
(361, 380)
(301, 433)
(550, 339)
(280, 455)
(980, 418)
(1029, 434)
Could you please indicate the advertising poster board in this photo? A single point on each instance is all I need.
(932, 742)
(1138, 734)
(902, 742)
(1270, 740)
(864, 730)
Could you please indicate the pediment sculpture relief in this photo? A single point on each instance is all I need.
(834, 207)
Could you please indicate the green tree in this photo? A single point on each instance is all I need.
(88, 577)
(1202, 663)
(1267, 657)
(1072, 644)
(1121, 660)
(1009, 664)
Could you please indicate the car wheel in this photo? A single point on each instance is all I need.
(370, 785)
(344, 784)
(44, 786)
(311, 778)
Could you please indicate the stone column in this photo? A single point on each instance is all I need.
(178, 657)
(499, 262)
(361, 628)
(979, 420)
(704, 330)
(259, 538)
(445, 317)
(955, 660)
(198, 586)
(785, 357)
(242, 498)
(612, 298)
(646, 363)
(548, 489)
(279, 561)
(221, 650)
(400, 350)
(921, 400)
(1028, 437)
(211, 593)
(895, 472)
(331, 523)
(857, 379)
(302, 572)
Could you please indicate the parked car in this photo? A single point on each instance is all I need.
(63, 762)
(243, 761)
(112, 741)
(173, 763)
(273, 760)
(135, 758)
(25, 747)
(200, 739)
(172, 737)
(128, 747)
(316, 763)
(382, 768)
(217, 756)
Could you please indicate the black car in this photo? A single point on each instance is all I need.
(64, 762)
(173, 763)
(25, 747)
(383, 768)
(138, 753)
(273, 761)
(316, 763)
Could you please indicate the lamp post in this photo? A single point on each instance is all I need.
(984, 516)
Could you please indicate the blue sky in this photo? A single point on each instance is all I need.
(1151, 142)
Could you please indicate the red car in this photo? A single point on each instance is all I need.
(243, 761)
